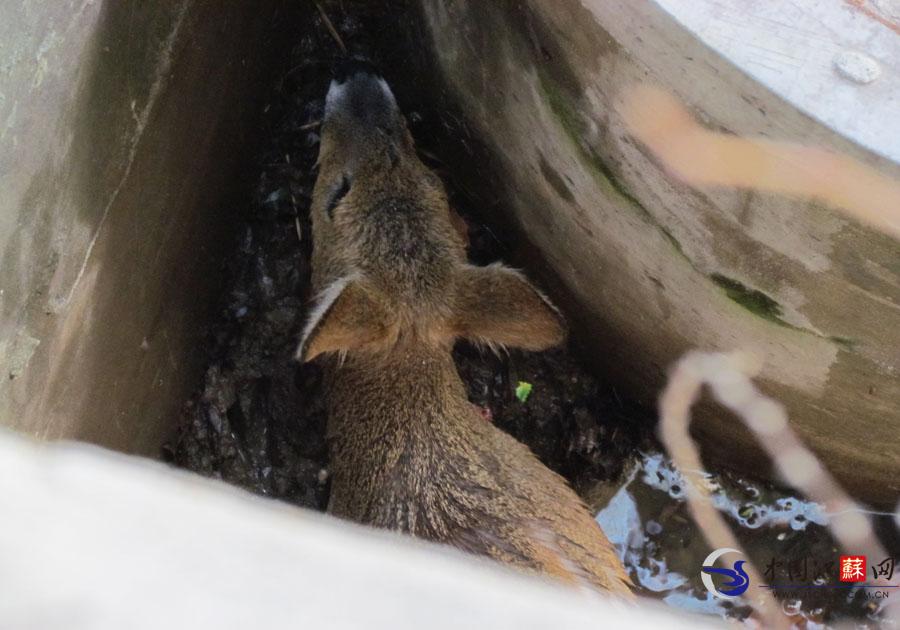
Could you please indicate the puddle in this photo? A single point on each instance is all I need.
(648, 521)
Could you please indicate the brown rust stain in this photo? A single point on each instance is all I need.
(865, 7)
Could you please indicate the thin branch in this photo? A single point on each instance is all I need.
(331, 29)
(682, 391)
(701, 157)
(728, 376)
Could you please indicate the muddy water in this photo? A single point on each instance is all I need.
(784, 535)
(258, 420)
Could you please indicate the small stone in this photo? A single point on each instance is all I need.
(856, 66)
(277, 195)
(215, 420)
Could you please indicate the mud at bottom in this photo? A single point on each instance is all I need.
(785, 537)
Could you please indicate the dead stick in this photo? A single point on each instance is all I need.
(331, 29)
(729, 379)
(679, 396)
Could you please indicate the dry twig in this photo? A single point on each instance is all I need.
(331, 29)
(701, 157)
(728, 376)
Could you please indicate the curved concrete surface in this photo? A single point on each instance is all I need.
(836, 60)
(651, 267)
(100, 541)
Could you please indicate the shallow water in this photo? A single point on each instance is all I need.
(785, 536)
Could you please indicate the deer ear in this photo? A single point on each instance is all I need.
(497, 306)
(348, 315)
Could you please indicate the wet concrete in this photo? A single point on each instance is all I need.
(652, 268)
(123, 127)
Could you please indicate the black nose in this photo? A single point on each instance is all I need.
(348, 68)
(358, 90)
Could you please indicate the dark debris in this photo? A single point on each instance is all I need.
(259, 419)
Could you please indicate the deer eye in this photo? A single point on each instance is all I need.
(340, 191)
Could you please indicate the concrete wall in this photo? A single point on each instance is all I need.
(651, 267)
(100, 541)
(122, 124)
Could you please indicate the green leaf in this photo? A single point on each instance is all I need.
(523, 391)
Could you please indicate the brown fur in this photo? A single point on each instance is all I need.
(408, 451)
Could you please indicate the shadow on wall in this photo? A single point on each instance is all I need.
(129, 201)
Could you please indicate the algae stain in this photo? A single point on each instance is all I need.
(764, 306)
(753, 300)
(572, 124)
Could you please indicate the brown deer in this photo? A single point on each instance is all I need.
(408, 451)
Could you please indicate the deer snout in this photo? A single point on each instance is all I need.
(358, 91)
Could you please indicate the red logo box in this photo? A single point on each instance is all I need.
(853, 569)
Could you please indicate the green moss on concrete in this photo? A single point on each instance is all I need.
(571, 122)
(565, 114)
(753, 300)
(764, 306)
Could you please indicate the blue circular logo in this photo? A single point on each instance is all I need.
(732, 582)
